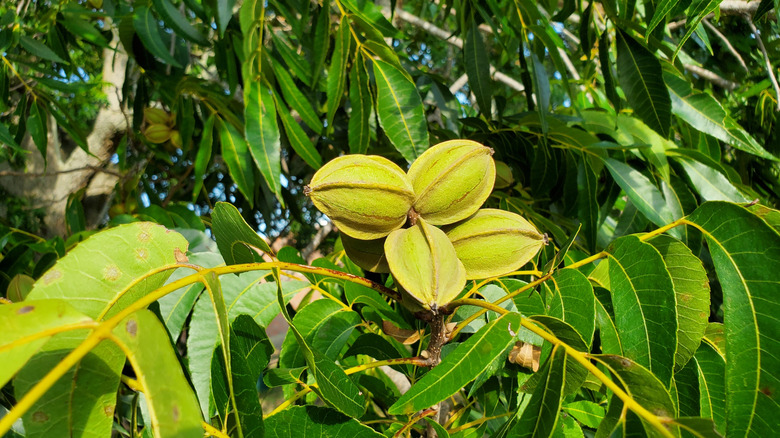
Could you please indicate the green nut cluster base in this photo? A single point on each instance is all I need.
(371, 200)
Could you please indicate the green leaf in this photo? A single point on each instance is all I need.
(574, 303)
(643, 298)
(371, 13)
(685, 390)
(337, 73)
(400, 111)
(316, 421)
(250, 351)
(711, 366)
(711, 184)
(587, 204)
(7, 139)
(38, 127)
(606, 70)
(460, 366)
(662, 9)
(576, 374)
(23, 323)
(297, 64)
(282, 376)
(698, 427)
(236, 240)
(223, 15)
(642, 192)
(296, 99)
(706, 115)
(641, 77)
(586, 412)
(475, 57)
(178, 22)
(243, 295)
(177, 305)
(262, 134)
(746, 254)
(236, 154)
(83, 29)
(642, 385)
(320, 40)
(696, 13)
(77, 404)
(325, 325)
(108, 268)
(359, 134)
(148, 31)
(542, 90)
(692, 292)
(39, 49)
(172, 404)
(203, 156)
(298, 139)
(334, 386)
(541, 413)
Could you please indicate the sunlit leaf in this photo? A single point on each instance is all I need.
(316, 421)
(235, 238)
(236, 154)
(262, 134)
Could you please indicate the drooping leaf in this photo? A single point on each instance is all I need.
(711, 184)
(460, 366)
(643, 298)
(179, 23)
(235, 238)
(296, 99)
(746, 254)
(361, 102)
(39, 49)
(337, 73)
(642, 385)
(400, 111)
(203, 156)
(711, 367)
(238, 158)
(298, 139)
(696, 13)
(37, 124)
(316, 421)
(148, 30)
(262, 134)
(475, 57)
(171, 402)
(705, 114)
(662, 9)
(587, 204)
(586, 412)
(641, 77)
(223, 14)
(642, 192)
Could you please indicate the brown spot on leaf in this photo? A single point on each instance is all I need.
(25, 309)
(52, 275)
(109, 411)
(131, 327)
(686, 298)
(180, 256)
(626, 363)
(766, 391)
(141, 253)
(40, 417)
(112, 273)
(175, 413)
(143, 236)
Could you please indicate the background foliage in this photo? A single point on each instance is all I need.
(616, 118)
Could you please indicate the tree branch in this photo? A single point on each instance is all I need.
(24, 174)
(727, 43)
(712, 77)
(770, 71)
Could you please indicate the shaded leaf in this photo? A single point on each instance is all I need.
(460, 366)
(540, 415)
(178, 22)
(337, 73)
(296, 99)
(148, 31)
(475, 57)
(238, 158)
(574, 303)
(641, 77)
(361, 103)
(39, 49)
(235, 238)
(642, 192)
(316, 421)
(203, 156)
(297, 138)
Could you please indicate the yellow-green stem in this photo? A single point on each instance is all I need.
(478, 422)
(582, 359)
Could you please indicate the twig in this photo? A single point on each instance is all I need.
(455, 41)
(16, 173)
(712, 77)
(768, 63)
(727, 43)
